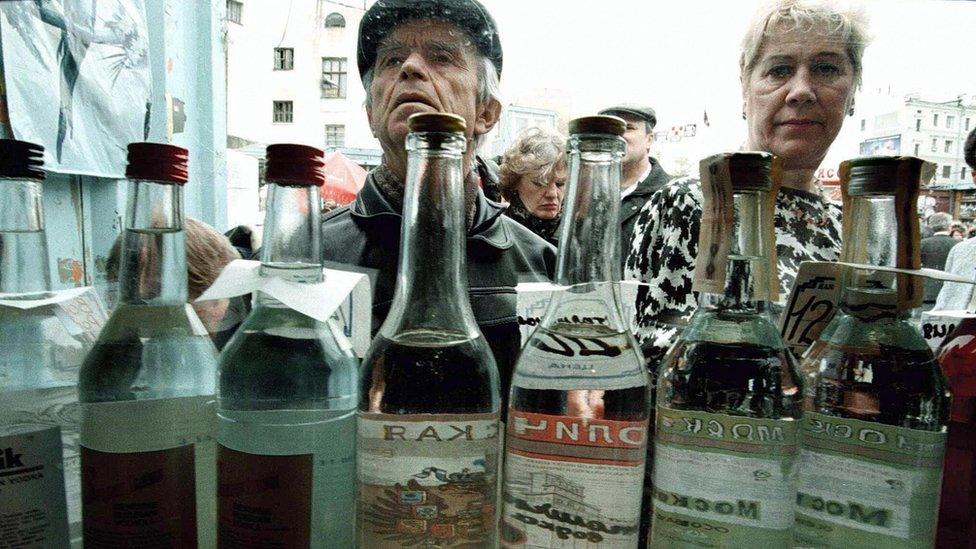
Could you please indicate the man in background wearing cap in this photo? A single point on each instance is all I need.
(642, 174)
(436, 56)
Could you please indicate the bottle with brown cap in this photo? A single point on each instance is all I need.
(39, 360)
(877, 403)
(729, 397)
(287, 389)
(577, 422)
(147, 387)
(428, 449)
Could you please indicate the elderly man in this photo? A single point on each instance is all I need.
(436, 56)
(935, 250)
(642, 174)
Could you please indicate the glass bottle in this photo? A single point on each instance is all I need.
(877, 405)
(729, 397)
(429, 408)
(39, 362)
(957, 504)
(579, 406)
(147, 387)
(287, 389)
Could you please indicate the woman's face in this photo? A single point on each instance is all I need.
(796, 97)
(543, 195)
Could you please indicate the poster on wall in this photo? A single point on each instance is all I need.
(77, 78)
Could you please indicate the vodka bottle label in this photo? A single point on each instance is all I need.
(155, 481)
(572, 480)
(867, 484)
(34, 513)
(427, 479)
(284, 484)
(723, 480)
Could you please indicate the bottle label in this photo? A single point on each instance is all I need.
(147, 472)
(290, 483)
(572, 481)
(33, 511)
(723, 481)
(427, 480)
(864, 484)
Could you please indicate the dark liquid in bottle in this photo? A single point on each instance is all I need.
(428, 372)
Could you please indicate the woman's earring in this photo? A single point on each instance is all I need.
(850, 111)
(743, 115)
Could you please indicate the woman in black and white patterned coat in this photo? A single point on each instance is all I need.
(799, 68)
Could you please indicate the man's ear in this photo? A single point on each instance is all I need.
(488, 115)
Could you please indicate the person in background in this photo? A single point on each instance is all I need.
(800, 65)
(642, 174)
(958, 231)
(935, 250)
(436, 56)
(533, 174)
(207, 253)
(962, 258)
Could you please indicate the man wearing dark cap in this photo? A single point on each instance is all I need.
(642, 174)
(436, 56)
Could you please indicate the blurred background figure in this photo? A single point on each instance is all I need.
(935, 250)
(962, 258)
(533, 174)
(958, 231)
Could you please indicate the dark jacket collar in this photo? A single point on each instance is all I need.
(655, 179)
(373, 211)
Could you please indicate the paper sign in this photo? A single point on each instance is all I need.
(345, 295)
(937, 325)
(533, 300)
(49, 298)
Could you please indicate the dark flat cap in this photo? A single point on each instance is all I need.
(633, 111)
(384, 16)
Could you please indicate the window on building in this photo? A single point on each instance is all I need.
(967, 124)
(935, 120)
(234, 9)
(335, 136)
(864, 124)
(333, 77)
(946, 172)
(962, 173)
(335, 20)
(918, 124)
(283, 112)
(916, 149)
(935, 144)
(284, 59)
(948, 147)
(950, 121)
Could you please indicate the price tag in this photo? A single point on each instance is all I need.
(815, 294)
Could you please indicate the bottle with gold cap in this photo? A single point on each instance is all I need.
(729, 396)
(577, 421)
(287, 389)
(429, 406)
(877, 404)
(147, 387)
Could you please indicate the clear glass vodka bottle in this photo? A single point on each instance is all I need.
(577, 421)
(287, 390)
(729, 396)
(147, 387)
(428, 448)
(877, 404)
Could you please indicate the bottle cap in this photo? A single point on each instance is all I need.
(601, 123)
(157, 162)
(295, 165)
(436, 122)
(751, 170)
(21, 159)
(882, 174)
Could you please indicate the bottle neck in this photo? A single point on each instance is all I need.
(152, 267)
(589, 234)
(747, 264)
(291, 247)
(432, 287)
(872, 239)
(23, 244)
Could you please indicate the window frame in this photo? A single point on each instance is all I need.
(946, 171)
(339, 133)
(948, 145)
(238, 9)
(332, 16)
(287, 108)
(287, 59)
(343, 76)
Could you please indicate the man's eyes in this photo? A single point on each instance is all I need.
(780, 71)
(826, 69)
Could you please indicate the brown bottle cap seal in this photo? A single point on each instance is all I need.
(601, 123)
(436, 122)
(21, 159)
(295, 165)
(158, 162)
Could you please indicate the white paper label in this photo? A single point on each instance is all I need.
(33, 512)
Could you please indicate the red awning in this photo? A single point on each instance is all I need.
(343, 178)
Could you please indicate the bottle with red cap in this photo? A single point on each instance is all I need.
(287, 389)
(148, 416)
(39, 362)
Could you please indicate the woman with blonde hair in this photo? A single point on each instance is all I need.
(533, 173)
